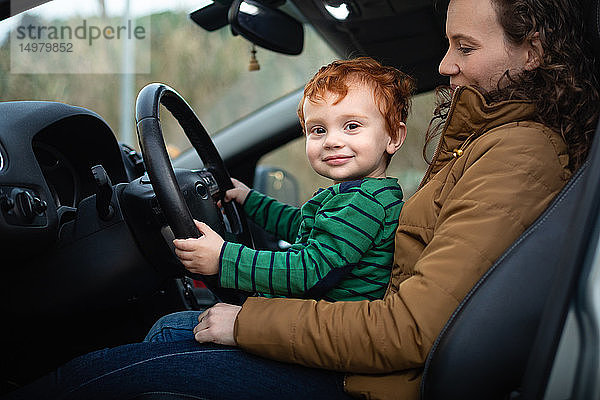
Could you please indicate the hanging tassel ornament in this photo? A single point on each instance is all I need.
(253, 66)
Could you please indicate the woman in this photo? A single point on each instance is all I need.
(520, 121)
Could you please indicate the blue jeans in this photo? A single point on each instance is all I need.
(174, 327)
(201, 371)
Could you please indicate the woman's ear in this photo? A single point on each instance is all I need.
(534, 53)
(395, 143)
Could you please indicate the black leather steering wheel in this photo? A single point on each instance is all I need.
(206, 186)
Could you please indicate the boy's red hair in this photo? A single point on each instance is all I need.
(392, 88)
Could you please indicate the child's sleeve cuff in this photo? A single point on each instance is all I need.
(228, 260)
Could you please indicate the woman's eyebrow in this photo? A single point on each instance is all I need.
(462, 36)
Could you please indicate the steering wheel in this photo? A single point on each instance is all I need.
(202, 189)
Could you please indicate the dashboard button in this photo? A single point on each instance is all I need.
(22, 206)
(24, 201)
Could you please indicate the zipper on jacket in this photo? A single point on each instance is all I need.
(435, 155)
(438, 148)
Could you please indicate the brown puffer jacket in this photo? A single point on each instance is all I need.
(493, 174)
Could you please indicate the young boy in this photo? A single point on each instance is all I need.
(353, 114)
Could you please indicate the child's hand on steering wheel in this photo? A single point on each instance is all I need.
(201, 255)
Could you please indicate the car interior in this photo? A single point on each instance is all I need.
(87, 222)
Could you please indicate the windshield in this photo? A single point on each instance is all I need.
(76, 52)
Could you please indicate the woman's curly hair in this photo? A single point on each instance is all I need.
(564, 88)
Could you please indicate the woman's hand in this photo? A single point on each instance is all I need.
(200, 255)
(215, 325)
(238, 193)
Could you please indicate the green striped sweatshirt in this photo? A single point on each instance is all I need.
(343, 244)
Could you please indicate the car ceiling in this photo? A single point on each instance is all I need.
(407, 34)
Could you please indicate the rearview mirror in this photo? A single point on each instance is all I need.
(266, 27)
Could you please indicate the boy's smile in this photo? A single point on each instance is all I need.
(348, 139)
(337, 159)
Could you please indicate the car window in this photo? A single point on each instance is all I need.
(407, 164)
(209, 69)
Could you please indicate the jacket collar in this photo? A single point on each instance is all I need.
(469, 117)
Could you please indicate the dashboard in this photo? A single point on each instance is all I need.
(47, 150)
(66, 151)
(62, 178)
(62, 260)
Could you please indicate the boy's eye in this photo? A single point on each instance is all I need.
(352, 125)
(318, 130)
